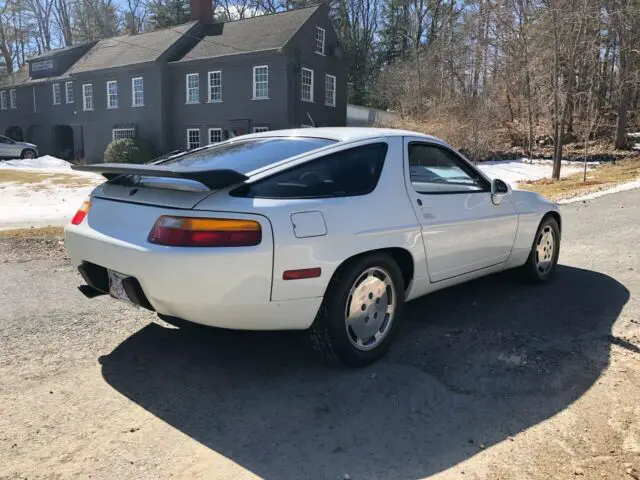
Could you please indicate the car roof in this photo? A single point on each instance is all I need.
(343, 134)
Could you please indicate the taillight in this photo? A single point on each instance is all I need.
(81, 213)
(205, 232)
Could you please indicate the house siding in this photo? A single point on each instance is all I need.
(301, 51)
(238, 109)
(99, 123)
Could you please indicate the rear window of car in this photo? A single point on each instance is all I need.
(247, 155)
(347, 173)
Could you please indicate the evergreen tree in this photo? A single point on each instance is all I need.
(168, 13)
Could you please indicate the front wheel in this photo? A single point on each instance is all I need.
(543, 258)
(361, 311)
(28, 154)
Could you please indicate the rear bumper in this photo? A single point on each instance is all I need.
(227, 288)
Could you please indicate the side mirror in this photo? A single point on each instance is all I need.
(499, 190)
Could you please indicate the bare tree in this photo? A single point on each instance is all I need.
(62, 20)
(134, 16)
(41, 10)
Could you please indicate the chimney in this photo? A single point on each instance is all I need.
(202, 11)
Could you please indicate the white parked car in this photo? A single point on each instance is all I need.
(326, 229)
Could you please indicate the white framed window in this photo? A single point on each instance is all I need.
(112, 94)
(68, 91)
(215, 135)
(261, 82)
(193, 138)
(330, 90)
(121, 133)
(13, 98)
(215, 86)
(193, 88)
(137, 92)
(260, 129)
(3, 100)
(320, 37)
(57, 94)
(87, 96)
(307, 85)
(43, 65)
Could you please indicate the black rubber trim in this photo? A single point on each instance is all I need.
(90, 292)
(134, 291)
(95, 276)
(212, 178)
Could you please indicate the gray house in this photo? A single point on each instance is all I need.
(181, 87)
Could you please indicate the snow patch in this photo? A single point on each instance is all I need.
(623, 187)
(25, 206)
(522, 170)
(44, 164)
(42, 203)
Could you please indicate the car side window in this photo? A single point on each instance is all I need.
(348, 173)
(5, 140)
(437, 170)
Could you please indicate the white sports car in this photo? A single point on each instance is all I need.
(326, 229)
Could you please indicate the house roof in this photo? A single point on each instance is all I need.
(265, 32)
(130, 49)
(57, 51)
(21, 78)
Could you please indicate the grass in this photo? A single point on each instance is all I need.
(28, 244)
(42, 180)
(605, 176)
(32, 233)
(19, 176)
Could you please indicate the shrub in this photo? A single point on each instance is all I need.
(128, 150)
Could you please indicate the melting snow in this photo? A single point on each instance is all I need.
(22, 205)
(514, 171)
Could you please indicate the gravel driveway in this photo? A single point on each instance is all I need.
(489, 380)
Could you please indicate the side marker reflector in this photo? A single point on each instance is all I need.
(303, 273)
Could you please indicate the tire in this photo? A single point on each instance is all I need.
(28, 153)
(350, 298)
(540, 272)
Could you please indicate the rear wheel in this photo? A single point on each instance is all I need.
(543, 259)
(28, 153)
(361, 311)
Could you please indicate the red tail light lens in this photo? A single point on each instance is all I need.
(81, 213)
(205, 232)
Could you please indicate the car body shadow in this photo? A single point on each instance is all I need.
(472, 366)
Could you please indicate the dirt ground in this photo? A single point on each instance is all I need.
(490, 380)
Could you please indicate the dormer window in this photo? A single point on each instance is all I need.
(41, 66)
(320, 37)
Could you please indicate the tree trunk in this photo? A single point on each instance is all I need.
(557, 134)
(623, 103)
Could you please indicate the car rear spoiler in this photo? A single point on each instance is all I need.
(212, 178)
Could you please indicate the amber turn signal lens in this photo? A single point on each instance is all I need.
(81, 213)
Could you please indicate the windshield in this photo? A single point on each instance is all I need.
(247, 155)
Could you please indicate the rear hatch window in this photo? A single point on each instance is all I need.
(248, 155)
(243, 156)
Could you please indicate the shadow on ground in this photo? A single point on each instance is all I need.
(472, 365)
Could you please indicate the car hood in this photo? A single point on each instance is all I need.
(26, 144)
